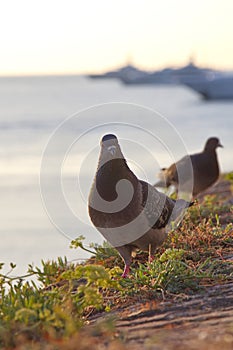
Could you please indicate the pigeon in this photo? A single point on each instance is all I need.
(204, 166)
(130, 213)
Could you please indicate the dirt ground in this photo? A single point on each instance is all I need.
(203, 321)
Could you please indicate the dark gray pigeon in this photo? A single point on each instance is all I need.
(204, 165)
(130, 213)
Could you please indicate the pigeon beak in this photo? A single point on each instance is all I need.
(112, 150)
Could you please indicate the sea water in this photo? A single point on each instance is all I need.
(50, 128)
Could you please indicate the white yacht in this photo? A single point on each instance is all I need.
(218, 88)
(192, 74)
(184, 75)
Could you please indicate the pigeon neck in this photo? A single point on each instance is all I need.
(210, 151)
(109, 174)
(211, 154)
(209, 148)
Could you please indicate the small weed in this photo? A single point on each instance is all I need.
(58, 301)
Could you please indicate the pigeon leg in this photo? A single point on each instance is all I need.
(151, 254)
(125, 252)
(151, 259)
(126, 271)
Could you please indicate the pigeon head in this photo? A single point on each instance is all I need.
(112, 168)
(108, 137)
(109, 144)
(212, 143)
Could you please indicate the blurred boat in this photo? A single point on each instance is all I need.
(189, 74)
(218, 88)
(185, 75)
(158, 77)
(192, 74)
(128, 71)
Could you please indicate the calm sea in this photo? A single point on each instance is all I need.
(50, 129)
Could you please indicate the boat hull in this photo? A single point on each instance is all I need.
(217, 89)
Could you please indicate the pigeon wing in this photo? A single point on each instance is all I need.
(157, 206)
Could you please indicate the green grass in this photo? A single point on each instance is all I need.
(54, 308)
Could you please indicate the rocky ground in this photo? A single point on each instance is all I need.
(186, 323)
(202, 321)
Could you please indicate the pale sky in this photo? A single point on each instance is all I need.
(68, 36)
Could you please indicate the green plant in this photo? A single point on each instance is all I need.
(51, 303)
(56, 303)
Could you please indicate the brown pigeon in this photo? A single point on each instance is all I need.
(204, 165)
(130, 213)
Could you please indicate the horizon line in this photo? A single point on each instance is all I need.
(102, 71)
